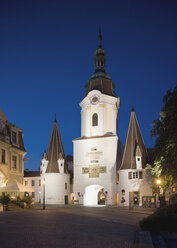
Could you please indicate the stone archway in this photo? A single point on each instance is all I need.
(94, 195)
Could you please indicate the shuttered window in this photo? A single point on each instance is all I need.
(130, 175)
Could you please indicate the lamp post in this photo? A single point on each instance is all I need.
(43, 183)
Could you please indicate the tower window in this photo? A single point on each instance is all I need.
(95, 120)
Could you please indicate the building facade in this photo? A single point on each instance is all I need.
(33, 179)
(95, 152)
(105, 173)
(12, 152)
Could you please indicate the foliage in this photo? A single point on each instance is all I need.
(164, 219)
(5, 200)
(28, 200)
(165, 131)
(17, 201)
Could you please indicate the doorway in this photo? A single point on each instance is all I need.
(136, 198)
(94, 195)
(66, 199)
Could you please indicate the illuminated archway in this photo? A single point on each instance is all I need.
(93, 194)
(2, 178)
(72, 198)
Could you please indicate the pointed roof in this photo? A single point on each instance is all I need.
(134, 145)
(2, 115)
(55, 150)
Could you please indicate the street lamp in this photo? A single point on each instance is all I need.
(43, 183)
(158, 182)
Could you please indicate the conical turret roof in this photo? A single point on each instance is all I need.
(55, 150)
(134, 145)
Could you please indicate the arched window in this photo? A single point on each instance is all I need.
(95, 120)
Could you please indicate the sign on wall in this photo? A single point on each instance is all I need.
(94, 170)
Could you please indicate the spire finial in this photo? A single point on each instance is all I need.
(55, 120)
(133, 110)
(100, 37)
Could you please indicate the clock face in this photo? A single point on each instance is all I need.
(95, 99)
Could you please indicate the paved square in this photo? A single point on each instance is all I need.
(76, 227)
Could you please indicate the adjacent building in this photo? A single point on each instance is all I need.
(12, 152)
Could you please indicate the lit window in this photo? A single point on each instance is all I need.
(26, 183)
(95, 120)
(3, 156)
(14, 162)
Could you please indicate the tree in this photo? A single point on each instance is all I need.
(5, 200)
(165, 131)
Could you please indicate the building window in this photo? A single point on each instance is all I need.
(95, 120)
(32, 183)
(135, 175)
(65, 185)
(93, 149)
(117, 178)
(3, 158)
(14, 162)
(94, 161)
(33, 194)
(26, 183)
(39, 182)
(14, 137)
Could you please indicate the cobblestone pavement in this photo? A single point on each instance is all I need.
(74, 227)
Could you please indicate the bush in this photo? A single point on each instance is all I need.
(5, 200)
(28, 201)
(163, 220)
(17, 201)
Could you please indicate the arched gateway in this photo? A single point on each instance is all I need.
(94, 196)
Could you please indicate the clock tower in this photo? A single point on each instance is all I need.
(95, 152)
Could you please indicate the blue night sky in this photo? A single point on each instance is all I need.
(47, 56)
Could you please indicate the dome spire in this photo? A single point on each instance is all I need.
(100, 37)
(100, 58)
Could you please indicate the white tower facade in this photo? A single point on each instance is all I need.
(54, 171)
(95, 152)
